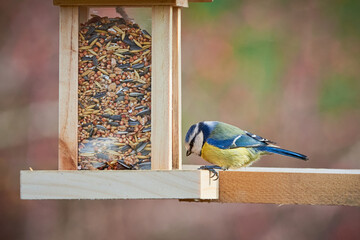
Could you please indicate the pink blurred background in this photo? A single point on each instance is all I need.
(286, 70)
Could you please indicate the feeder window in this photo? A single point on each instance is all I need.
(114, 89)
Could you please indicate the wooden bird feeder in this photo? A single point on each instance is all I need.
(148, 58)
(119, 39)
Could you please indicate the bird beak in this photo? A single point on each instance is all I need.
(188, 152)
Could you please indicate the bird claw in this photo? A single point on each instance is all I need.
(215, 173)
(212, 170)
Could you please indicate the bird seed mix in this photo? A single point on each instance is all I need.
(114, 94)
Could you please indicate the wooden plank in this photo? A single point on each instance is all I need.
(141, 3)
(161, 95)
(117, 185)
(176, 68)
(83, 14)
(68, 85)
(290, 186)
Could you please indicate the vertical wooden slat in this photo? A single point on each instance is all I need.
(161, 100)
(83, 14)
(176, 68)
(68, 85)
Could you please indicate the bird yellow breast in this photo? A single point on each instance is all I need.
(229, 158)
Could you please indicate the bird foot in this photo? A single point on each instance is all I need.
(212, 170)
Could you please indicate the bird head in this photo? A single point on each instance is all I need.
(197, 136)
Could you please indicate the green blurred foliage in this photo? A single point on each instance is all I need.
(259, 59)
(283, 69)
(346, 16)
(200, 13)
(339, 93)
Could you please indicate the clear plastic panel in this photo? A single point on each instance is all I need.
(114, 120)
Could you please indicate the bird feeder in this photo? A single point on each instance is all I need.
(119, 107)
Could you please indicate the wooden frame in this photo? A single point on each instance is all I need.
(176, 88)
(161, 101)
(166, 70)
(68, 85)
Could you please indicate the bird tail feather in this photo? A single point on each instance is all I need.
(283, 152)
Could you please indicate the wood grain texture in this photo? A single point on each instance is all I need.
(161, 95)
(68, 85)
(83, 14)
(141, 3)
(291, 186)
(176, 68)
(174, 184)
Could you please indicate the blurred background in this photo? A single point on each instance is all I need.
(286, 70)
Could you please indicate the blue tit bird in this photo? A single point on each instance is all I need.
(229, 147)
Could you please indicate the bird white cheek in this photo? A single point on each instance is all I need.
(198, 144)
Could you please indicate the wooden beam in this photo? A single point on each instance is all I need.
(117, 185)
(176, 67)
(132, 3)
(161, 95)
(249, 185)
(290, 186)
(68, 85)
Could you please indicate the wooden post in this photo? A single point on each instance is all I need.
(68, 86)
(161, 100)
(176, 67)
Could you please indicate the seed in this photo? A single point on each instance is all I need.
(93, 42)
(103, 71)
(86, 72)
(98, 84)
(122, 132)
(92, 52)
(143, 112)
(146, 130)
(117, 29)
(115, 117)
(84, 47)
(114, 94)
(137, 43)
(140, 146)
(138, 66)
(101, 58)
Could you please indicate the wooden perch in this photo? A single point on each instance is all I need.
(290, 186)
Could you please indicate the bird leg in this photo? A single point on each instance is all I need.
(211, 169)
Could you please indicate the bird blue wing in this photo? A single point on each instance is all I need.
(220, 143)
(242, 140)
